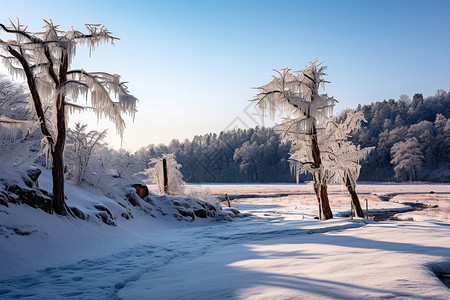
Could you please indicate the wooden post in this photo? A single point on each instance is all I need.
(228, 200)
(367, 209)
(166, 180)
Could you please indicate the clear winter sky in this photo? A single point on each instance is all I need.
(192, 64)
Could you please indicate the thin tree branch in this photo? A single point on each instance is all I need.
(34, 94)
(23, 33)
(50, 67)
(73, 81)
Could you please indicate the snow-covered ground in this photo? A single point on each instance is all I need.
(279, 252)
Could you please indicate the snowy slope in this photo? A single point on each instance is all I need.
(279, 252)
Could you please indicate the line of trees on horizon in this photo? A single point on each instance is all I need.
(410, 136)
(411, 140)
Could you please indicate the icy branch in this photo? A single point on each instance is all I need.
(17, 31)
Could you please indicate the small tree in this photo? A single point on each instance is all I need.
(80, 147)
(170, 182)
(44, 59)
(407, 157)
(308, 112)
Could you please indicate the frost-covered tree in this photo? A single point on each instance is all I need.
(80, 147)
(297, 94)
(407, 157)
(44, 59)
(15, 110)
(341, 158)
(16, 126)
(101, 174)
(155, 172)
(247, 155)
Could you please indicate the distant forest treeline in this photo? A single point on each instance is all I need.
(391, 122)
(258, 155)
(240, 155)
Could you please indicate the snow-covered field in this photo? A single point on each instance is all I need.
(279, 252)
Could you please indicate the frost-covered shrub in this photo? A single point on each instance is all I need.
(101, 173)
(201, 193)
(123, 164)
(111, 171)
(81, 147)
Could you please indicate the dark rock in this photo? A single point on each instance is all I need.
(184, 204)
(3, 199)
(20, 232)
(178, 217)
(105, 218)
(211, 207)
(133, 198)
(431, 192)
(127, 215)
(141, 190)
(28, 182)
(188, 214)
(201, 213)
(34, 174)
(101, 207)
(33, 197)
(78, 213)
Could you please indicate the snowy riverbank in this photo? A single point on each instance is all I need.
(279, 252)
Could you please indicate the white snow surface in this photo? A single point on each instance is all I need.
(278, 252)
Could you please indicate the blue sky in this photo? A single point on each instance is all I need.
(192, 64)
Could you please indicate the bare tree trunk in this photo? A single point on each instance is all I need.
(58, 183)
(59, 204)
(355, 200)
(320, 186)
(326, 209)
(166, 179)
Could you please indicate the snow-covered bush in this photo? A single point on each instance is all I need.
(123, 164)
(105, 171)
(81, 146)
